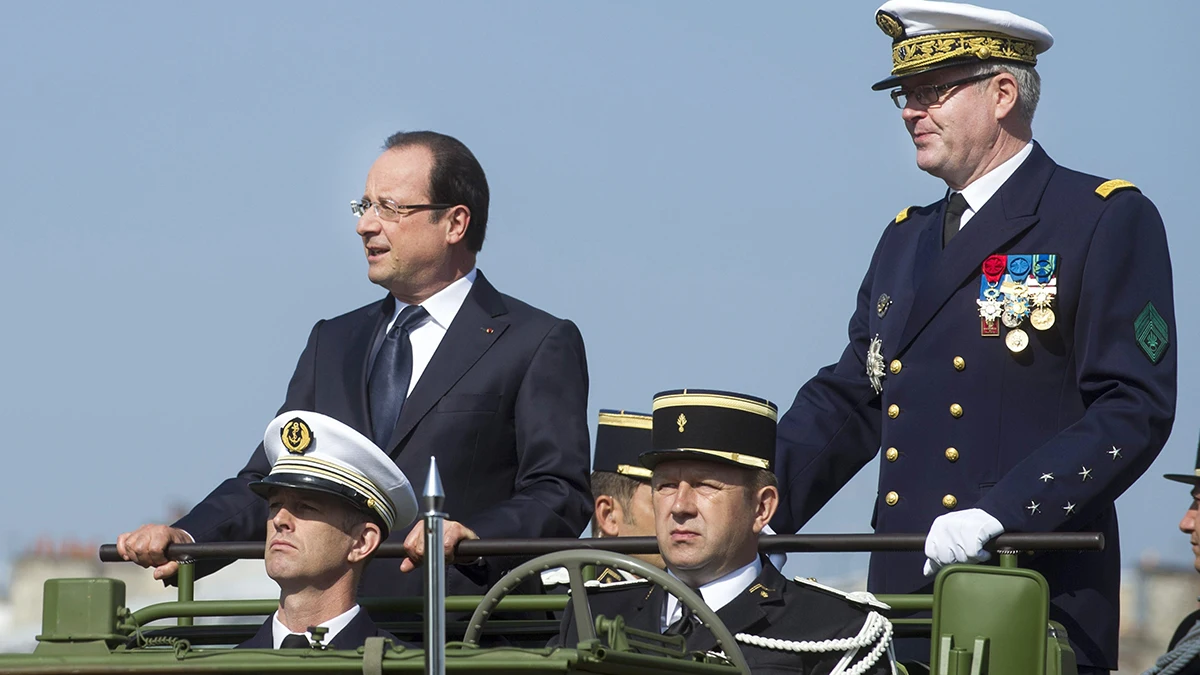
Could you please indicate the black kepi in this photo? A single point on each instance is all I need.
(621, 437)
(718, 426)
(1192, 478)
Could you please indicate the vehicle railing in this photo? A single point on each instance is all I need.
(1006, 547)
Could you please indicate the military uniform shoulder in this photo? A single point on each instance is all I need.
(862, 598)
(595, 585)
(909, 211)
(1109, 187)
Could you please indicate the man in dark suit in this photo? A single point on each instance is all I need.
(1011, 347)
(713, 493)
(332, 496)
(444, 365)
(1183, 651)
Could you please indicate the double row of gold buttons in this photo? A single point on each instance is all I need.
(956, 411)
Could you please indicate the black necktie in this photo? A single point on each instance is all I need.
(295, 641)
(685, 624)
(391, 375)
(954, 213)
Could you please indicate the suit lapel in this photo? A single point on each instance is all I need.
(355, 633)
(263, 639)
(474, 329)
(360, 344)
(1006, 215)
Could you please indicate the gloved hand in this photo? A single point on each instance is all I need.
(959, 538)
(777, 559)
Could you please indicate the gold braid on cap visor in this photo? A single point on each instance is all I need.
(918, 53)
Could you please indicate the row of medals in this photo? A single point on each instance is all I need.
(1011, 304)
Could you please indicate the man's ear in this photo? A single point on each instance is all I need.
(1005, 91)
(368, 538)
(766, 501)
(459, 219)
(608, 516)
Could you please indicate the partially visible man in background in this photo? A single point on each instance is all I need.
(1183, 652)
(444, 364)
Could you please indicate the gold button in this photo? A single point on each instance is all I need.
(891, 498)
(956, 410)
(949, 501)
(895, 367)
(893, 454)
(959, 363)
(952, 454)
(893, 411)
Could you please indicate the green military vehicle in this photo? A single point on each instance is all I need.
(985, 619)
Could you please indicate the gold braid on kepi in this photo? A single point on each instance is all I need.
(916, 55)
(621, 436)
(715, 426)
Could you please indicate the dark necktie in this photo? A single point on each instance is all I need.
(954, 214)
(295, 641)
(685, 624)
(391, 375)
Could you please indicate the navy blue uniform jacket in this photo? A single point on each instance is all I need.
(502, 403)
(353, 636)
(1034, 445)
(770, 607)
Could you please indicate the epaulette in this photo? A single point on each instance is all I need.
(593, 584)
(1108, 187)
(857, 597)
(903, 215)
(557, 576)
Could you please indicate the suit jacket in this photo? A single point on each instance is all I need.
(352, 636)
(502, 403)
(1045, 439)
(770, 607)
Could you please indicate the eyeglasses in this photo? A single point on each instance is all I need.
(391, 211)
(928, 94)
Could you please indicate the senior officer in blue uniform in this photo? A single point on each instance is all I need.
(713, 493)
(1011, 347)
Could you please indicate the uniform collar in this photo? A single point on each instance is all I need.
(335, 626)
(978, 193)
(443, 306)
(720, 592)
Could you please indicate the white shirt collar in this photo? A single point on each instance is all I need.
(719, 592)
(443, 306)
(978, 193)
(335, 626)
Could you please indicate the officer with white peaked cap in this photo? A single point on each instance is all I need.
(333, 497)
(1010, 350)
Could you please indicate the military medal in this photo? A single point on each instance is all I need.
(1042, 293)
(1016, 340)
(1016, 303)
(875, 364)
(990, 306)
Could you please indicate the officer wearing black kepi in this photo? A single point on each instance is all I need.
(620, 490)
(1011, 348)
(713, 493)
(1183, 651)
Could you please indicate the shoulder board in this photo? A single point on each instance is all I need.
(903, 215)
(857, 597)
(1109, 187)
(594, 585)
(556, 577)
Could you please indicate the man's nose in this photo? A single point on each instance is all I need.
(1188, 524)
(368, 223)
(911, 112)
(685, 501)
(282, 520)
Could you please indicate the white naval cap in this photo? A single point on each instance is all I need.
(928, 35)
(311, 451)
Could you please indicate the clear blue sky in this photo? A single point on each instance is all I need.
(698, 185)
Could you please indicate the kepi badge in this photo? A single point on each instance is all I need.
(296, 436)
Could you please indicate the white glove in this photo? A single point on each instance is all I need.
(777, 559)
(959, 538)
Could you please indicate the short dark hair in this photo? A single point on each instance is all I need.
(620, 487)
(456, 177)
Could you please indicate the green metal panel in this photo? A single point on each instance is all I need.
(989, 620)
(80, 609)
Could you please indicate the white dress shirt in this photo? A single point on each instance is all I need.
(335, 626)
(716, 593)
(978, 193)
(425, 337)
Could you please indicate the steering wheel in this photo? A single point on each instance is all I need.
(574, 561)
